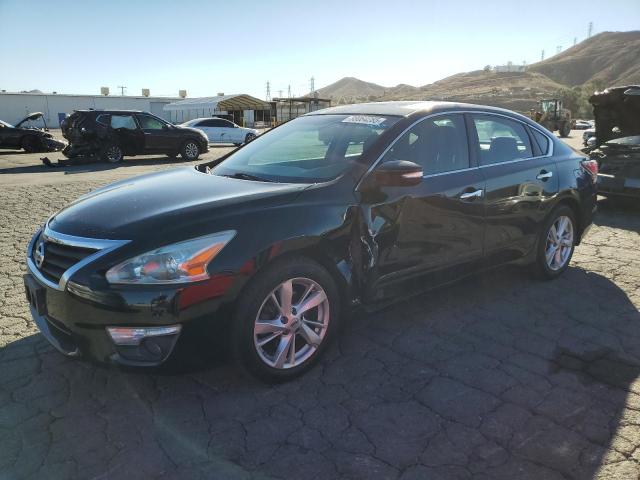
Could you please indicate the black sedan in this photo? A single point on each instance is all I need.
(275, 243)
(31, 139)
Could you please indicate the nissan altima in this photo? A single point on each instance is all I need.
(274, 244)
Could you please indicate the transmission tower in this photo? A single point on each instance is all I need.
(542, 55)
(312, 84)
(590, 29)
(575, 40)
(558, 49)
(280, 93)
(268, 95)
(289, 91)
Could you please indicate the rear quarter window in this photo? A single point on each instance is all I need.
(542, 141)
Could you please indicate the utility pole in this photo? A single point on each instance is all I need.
(122, 89)
(590, 29)
(289, 91)
(268, 96)
(542, 55)
(312, 83)
(280, 93)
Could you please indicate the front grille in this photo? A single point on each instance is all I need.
(58, 258)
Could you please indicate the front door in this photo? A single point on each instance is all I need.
(156, 137)
(521, 180)
(430, 233)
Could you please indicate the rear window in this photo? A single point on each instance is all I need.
(104, 119)
(541, 140)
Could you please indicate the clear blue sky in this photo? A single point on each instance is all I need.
(227, 46)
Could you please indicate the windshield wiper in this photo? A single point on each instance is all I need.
(247, 176)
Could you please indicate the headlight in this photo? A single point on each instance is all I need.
(177, 263)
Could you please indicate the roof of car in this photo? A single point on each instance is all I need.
(405, 108)
(110, 111)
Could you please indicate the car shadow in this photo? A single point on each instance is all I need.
(498, 375)
(92, 165)
(619, 212)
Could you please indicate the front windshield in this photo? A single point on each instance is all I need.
(309, 149)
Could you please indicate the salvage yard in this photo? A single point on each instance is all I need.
(499, 376)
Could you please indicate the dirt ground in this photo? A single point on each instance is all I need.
(498, 376)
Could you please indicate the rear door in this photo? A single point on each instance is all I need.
(432, 232)
(229, 132)
(156, 137)
(521, 181)
(127, 134)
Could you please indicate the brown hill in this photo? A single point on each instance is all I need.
(607, 59)
(515, 90)
(351, 89)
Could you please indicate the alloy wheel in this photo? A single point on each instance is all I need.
(191, 149)
(559, 243)
(291, 323)
(113, 154)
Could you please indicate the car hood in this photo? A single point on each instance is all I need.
(166, 202)
(31, 116)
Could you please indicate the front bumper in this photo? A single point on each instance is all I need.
(618, 185)
(53, 145)
(78, 328)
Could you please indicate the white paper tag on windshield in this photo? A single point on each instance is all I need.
(365, 120)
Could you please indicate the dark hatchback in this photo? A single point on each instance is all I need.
(112, 134)
(273, 244)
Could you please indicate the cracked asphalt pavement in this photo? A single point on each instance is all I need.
(496, 377)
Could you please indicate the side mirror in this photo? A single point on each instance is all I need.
(398, 173)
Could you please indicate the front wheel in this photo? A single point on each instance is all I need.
(31, 144)
(556, 243)
(190, 151)
(285, 320)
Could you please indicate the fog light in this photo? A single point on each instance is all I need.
(134, 335)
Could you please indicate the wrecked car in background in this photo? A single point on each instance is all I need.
(110, 135)
(29, 138)
(617, 145)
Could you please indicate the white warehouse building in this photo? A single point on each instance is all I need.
(15, 106)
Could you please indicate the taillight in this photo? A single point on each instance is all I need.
(591, 166)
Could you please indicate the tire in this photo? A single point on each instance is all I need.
(31, 144)
(249, 138)
(565, 129)
(112, 153)
(550, 268)
(190, 151)
(261, 300)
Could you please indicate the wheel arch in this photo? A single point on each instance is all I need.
(570, 199)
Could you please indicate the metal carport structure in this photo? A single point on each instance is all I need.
(241, 108)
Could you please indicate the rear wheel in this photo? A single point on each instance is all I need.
(556, 243)
(112, 153)
(285, 320)
(31, 144)
(565, 129)
(190, 151)
(250, 137)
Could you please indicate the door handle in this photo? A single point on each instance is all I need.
(471, 195)
(544, 175)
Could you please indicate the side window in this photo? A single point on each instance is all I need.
(203, 123)
(227, 124)
(104, 119)
(542, 141)
(500, 139)
(217, 123)
(149, 123)
(438, 144)
(123, 121)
